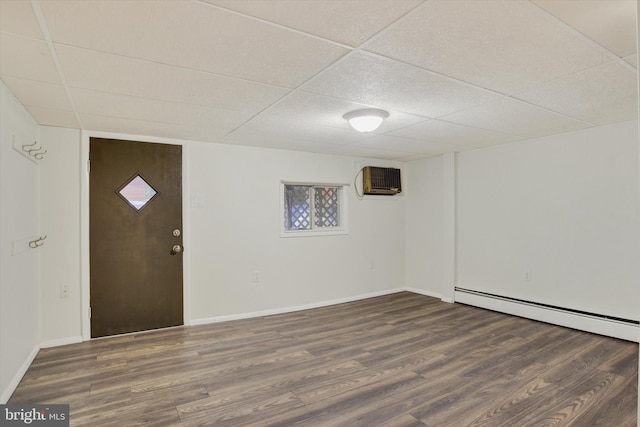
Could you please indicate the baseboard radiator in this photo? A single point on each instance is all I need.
(616, 327)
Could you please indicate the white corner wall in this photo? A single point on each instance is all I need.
(60, 264)
(554, 220)
(425, 227)
(19, 265)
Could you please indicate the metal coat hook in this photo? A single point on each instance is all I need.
(37, 243)
(39, 155)
(28, 150)
(35, 152)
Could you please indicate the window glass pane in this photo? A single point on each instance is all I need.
(297, 207)
(137, 192)
(326, 212)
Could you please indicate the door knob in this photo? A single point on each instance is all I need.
(176, 249)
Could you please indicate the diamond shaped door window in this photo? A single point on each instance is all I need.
(137, 192)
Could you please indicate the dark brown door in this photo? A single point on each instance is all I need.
(135, 220)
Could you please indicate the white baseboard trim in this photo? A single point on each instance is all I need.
(61, 341)
(610, 328)
(218, 319)
(424, 292)
(13, 384)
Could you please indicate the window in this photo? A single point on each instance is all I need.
(313, 209)
(137, 192)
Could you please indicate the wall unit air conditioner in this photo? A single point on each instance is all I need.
(381, 181)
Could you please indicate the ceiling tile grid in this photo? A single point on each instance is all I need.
(102, 72)
(27, 58)
(350, 22)
(600, 95)
(513, 117)
(191, 35)
(453, 75)
(18, 17)
(378, 81)
(500, 45)
(588, 19)
(34, 93)
(454, 135)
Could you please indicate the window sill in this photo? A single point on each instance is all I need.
(313, 233)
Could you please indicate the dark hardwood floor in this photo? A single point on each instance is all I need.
(396, 360)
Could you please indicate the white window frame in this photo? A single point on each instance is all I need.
(342, 229)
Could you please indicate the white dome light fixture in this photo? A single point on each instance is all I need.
(366, 120)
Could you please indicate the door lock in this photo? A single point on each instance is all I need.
(176, 249)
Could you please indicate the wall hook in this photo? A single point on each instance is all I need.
(34, 150)
(28, 150)
(37, 243)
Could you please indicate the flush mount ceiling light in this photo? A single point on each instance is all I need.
(366, 120)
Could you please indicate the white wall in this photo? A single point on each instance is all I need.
(237, 231)
(60, 264)
(233, 232)
(19, 222)
(424, 226)
(565, 209)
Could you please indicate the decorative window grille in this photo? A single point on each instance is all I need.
(312, 207)
(326, 213)
(297, 215)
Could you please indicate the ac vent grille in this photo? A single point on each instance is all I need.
(381, 181)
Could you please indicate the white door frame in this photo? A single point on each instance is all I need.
(84, 221)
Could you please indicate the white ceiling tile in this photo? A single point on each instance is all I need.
(194, 70)
(395, 143)
(408, 146)
(149, 110)
(319, 118)
(632, 59)
(38, 94)
(452, 134)
(260, 138)
(601, 95)
(499, 45)
(302, 133)
(192, 35)
(610, 23)
(372, 80)
(53, 117)
(347, 21)
(121, 75)
(17, 17)
(360, 151)
(513, 117)
(140, 127)
(27, 58)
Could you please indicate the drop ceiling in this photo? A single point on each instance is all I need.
(454, 75)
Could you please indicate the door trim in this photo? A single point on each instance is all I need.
(84, 222)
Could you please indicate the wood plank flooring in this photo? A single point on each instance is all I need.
(398, 360)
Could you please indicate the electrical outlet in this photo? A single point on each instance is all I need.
(64, 291)
(527, 276)
(256, 276)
